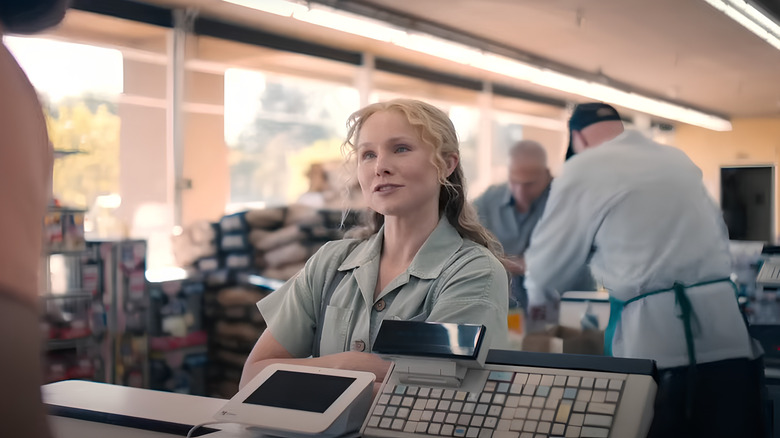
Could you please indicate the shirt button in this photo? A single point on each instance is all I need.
(380, 305)
(358, 345)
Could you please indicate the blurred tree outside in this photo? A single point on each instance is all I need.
(89, 125)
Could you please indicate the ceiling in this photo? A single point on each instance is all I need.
(681, 50)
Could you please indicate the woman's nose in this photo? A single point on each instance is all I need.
(383, 164)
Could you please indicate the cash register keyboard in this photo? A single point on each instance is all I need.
(527, 403)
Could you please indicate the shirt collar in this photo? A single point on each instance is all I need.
(439, 247)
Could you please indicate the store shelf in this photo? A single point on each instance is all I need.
(168, 343)
(66, 296)
(66, 344)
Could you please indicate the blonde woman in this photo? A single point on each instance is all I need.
(422, 255)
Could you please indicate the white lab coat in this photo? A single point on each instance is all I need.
(638, 213)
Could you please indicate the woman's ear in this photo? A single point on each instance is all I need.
(451, 161)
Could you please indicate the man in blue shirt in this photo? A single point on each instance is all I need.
(511, 210)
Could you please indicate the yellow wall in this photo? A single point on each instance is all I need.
(754, 141)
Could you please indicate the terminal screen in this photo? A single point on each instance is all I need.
(300, 391)
(414, 338)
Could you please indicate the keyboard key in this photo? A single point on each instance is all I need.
(526, 435)
(448, 394)
(517, 425)
(599, 396)
(431, 404)
(512, 401)
(504, 424)
(473, 397)
(615, 384)
(490, 422)
(552, 403)
(402, 413)
(521, 413)
(505, 434)
(547, 380)
(424, 392)
(520, 378)
(508, 413)
(420, 403)
(415, 415)
(502, 387)
(485, 397)
(391, 411)
(412, 390)
(464, 419)
(427, 416)
(516, 388)
(576, 419)
(452, 418)
(422, 427)
(525, 401)
(481, 409)
(494, 410)
(573, 381)
(499, 399)
(400, 389)
(572, 432)
(398, 424)
(594, 432)
(560, 381)
(490, 386)
(438, 417)
(543, 391)
(534, 379)
(534, 414)
(477, 420)
(556, 392)
(461, 395)
(529, 389)
(385, 423)
(548, 415)
(395, 400)
(436, 393)
(564, 409)
(407, 402)
(485, 433)
(601, 408)
(444, 405)
(447, 429)
(584, 395)
(384, 399)
(460, 431)
(570, 393)
(379, 410)
(543, 427)
(456, 406)
(579, 406)
(373, 421)
(598, 420)
(538, 402)
(612, 396)
(472, 432)
(530, 426)
(601, 383)
(558, 429)
(434, 429)
(410, 427)
(504, 376)
(469, 408)
(587, 382)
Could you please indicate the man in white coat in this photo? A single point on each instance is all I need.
(638, 214)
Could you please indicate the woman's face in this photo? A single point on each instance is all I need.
(394, 167)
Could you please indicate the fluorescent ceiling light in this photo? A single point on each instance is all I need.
(751, 18)
(439, 47)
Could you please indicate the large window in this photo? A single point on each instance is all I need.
(277, 129)
(78, 86)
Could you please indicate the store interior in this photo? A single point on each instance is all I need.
(198, 160)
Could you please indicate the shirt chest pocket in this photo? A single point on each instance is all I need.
(335, 327)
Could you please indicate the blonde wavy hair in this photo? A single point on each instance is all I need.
(436, 129)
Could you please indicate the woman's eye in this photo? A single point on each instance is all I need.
(367, 155)
(402, 148)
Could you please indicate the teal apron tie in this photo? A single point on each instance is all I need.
(686, 312)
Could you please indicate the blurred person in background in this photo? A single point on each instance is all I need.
(25, 178)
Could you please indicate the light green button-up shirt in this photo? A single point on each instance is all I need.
(451, 279)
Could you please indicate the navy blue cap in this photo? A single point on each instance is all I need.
(586, 114)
